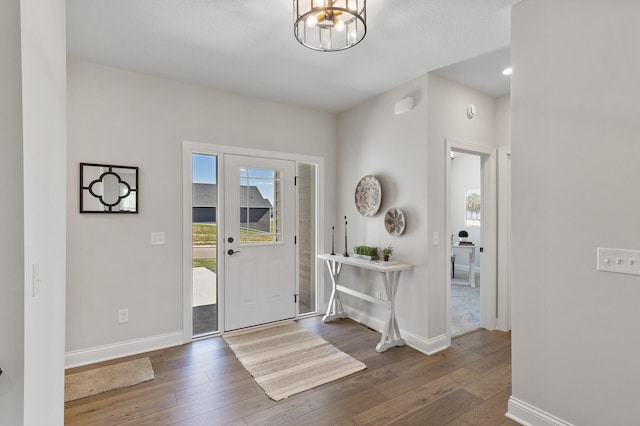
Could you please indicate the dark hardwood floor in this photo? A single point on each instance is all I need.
(203, 383)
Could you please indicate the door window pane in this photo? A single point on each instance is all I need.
(204, 250)
(260, 206)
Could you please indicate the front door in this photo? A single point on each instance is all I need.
(259, 240)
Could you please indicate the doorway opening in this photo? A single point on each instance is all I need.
(471, 206)
(252, 234)
(465, 221)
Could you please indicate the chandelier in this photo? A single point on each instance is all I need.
(330, 25)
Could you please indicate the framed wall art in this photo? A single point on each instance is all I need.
(107, 188)
(472, 207)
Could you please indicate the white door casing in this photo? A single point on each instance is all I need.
(259, 276)
(488, 258)
(504, 239)
(188, 149)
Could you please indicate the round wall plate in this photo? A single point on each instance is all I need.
(368, 195)
(394, 221)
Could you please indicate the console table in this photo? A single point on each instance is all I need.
(472, 261)
(390, 274)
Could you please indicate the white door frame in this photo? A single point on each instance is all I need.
(504, 238)
(488, 259)
(189, 148)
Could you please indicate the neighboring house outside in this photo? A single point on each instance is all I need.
(252, 205)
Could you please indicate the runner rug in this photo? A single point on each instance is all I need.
(286, 358)
(103, 379)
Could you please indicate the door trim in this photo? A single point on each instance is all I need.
(488, 259)
(191, 147)
(504, 238)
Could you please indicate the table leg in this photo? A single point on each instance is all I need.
(334, 310)
(472, 269)
(391, 332)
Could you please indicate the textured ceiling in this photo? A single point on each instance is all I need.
(248, 47)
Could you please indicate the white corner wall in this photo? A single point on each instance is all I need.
(503, 121)
(575, 150)
(406, 153)
(32, 218)
(44, 118)
(11, 218)
(447, 119)
(372, 140)
(126, 118)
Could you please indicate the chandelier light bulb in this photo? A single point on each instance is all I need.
(312, 21)
(339, 25)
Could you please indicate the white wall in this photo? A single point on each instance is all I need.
(575, 171)
(503, 121)
(45, 152)
(447, 119)
(374, 141)
(33, 123)
(132, 119)
(11, 218)
(407, 154)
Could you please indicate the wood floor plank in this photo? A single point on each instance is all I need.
(403, 405)
(341, 410)
(491, 384)
(492, 362)
(203, 383)
(443, 365)
(442, 411)
(322, 397)
(489, 413)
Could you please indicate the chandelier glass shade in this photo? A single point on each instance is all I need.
(330, 25)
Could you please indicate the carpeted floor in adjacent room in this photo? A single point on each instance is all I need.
(465, 306)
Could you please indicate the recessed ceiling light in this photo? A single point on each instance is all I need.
(507, 71)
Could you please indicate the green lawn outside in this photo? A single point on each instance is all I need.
(204, 234)
(211, 264)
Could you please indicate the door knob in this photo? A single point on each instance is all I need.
(231, 252)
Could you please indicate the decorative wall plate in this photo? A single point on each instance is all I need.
(394, 221)
(368, 195)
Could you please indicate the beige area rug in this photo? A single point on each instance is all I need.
(286, 358)
(103, 379)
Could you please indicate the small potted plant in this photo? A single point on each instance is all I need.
(365, 252)
(462, 235)
(386, 252)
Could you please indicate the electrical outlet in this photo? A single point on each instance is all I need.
(123, 316)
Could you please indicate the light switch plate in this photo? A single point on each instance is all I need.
(620, 261)
(157, 238)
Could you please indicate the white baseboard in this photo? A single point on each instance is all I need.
(427, 346)
(529, 415)
(122, 349)
(419, 343)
